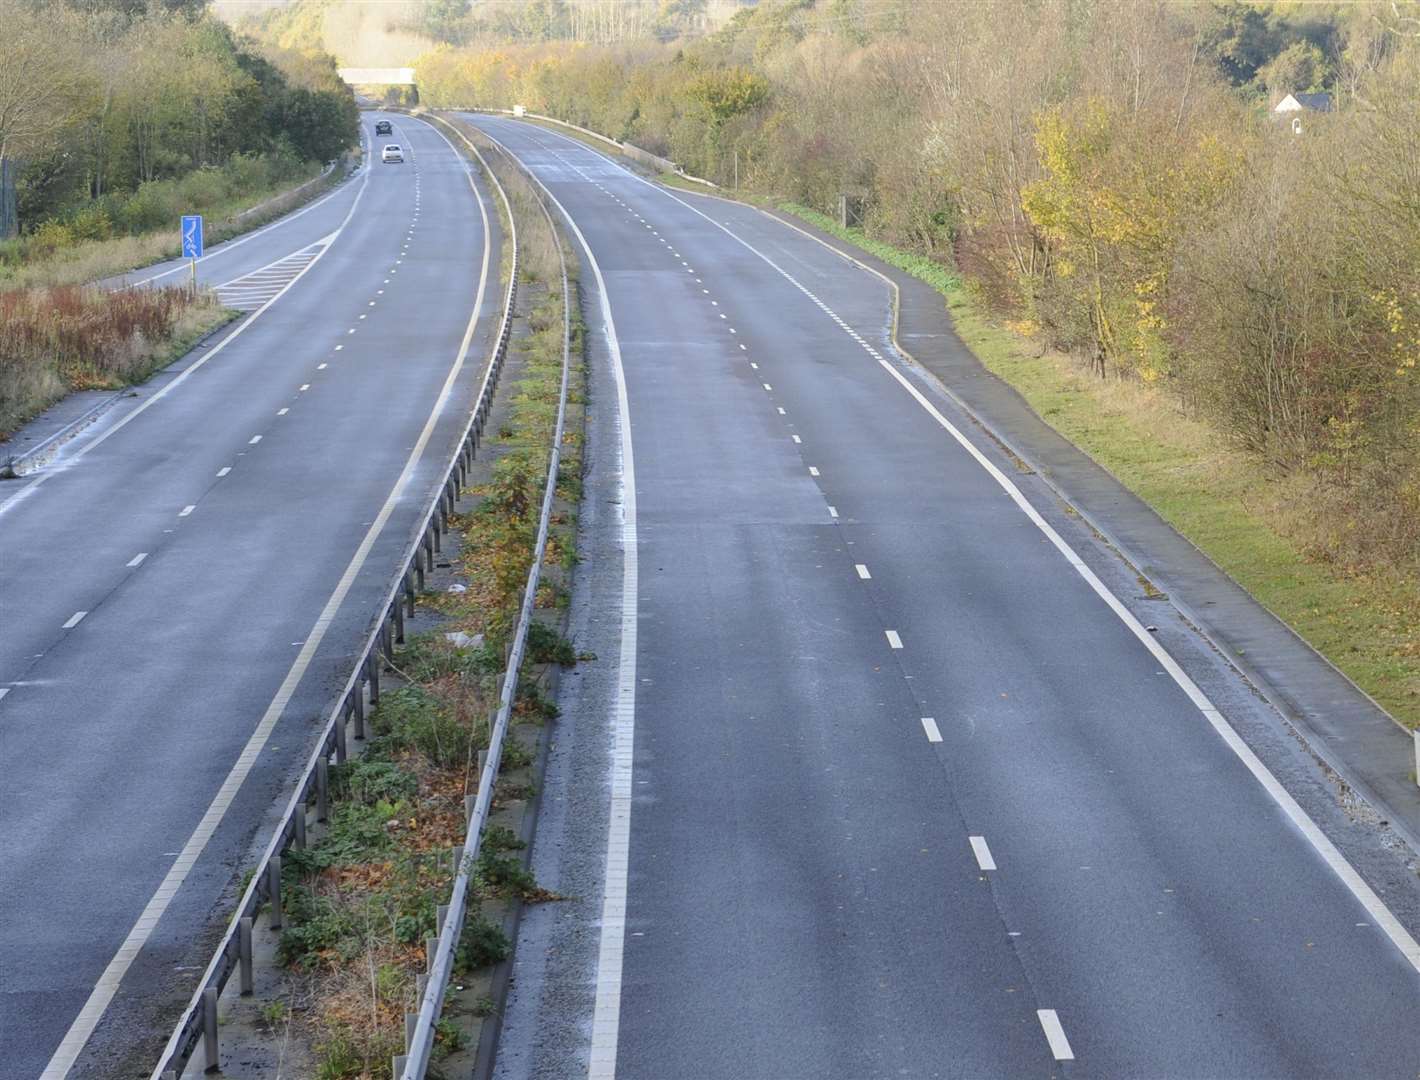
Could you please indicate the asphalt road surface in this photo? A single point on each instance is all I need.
(182, 589)
(888, 767)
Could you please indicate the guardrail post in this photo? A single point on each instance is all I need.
(357, 708)
(322, 788)
(373, 674)
(431, 950)
(209, 1028)
(273, 890)
(409, 593)
(244, 954)
(399, 622)
(341, 751)
(298, 827)
(1417, 755)
(411, 1025)
(397, 1066)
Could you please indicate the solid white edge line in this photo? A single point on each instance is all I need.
(982, 853)
(74, 620)
(108, 982)
(4, 690)
(862, 571)
(929, 725)
(223, 471)
(285, 219)
(137, 560)
(187, 510)
(893, 638)
(1055, 1035)
(1364, 894)
(606, 1015)
(168, 388)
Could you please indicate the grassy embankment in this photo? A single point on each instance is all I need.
(364, 895)
(1366, 623)
(58, 335)
(68, 338)
(120, 233)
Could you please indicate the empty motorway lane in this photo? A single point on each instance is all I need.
(182, 588)
(888, 767)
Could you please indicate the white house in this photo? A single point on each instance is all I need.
(1293, 105)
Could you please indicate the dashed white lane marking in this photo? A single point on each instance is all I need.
(74, 620)
(733, 330)
(796, 438)
(833, 511)
(754, 365)
(4, 690)
(929, 725)
(137, 560)
(781, 410)
(982, 852)
(1400, 937)
(894, 639)
(108, 982)
(351, 330)
(254, 440)
(337, 349)
(320, 367)
(813, 470)
(1055, 1035)
(304, 387)
(187, 510)
(862, 571)
(768, 387)
(223, 471)
(282, 412)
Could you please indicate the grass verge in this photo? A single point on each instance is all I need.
(68, 338)
(1220, 498)
(92, 246)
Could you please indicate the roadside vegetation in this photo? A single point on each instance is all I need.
(1221, 308)
(68, 338)
(116, 118)
(363, 897)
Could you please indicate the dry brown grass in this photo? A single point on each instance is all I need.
(75, 338)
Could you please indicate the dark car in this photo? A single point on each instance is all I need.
(384, 127)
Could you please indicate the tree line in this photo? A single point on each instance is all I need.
(99, 98)
(1107, 174)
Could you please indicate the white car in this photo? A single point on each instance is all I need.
(391, 152)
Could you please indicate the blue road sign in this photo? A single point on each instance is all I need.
(192, 236)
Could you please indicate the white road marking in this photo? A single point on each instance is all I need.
(224, 470)
(833, 511)
(862, 571)
(205, 358)
(304, 387)
(254, 440)
(606, 1016)
(4, 690)
(321, 367)
(1354, 883)
(137, 560)
(982, 852)
(768, 387)
(282, 412)
(781, 410)
(929, 725)
(187, 510)
(813, 471)
(754, 365)
(796, 438)
(107, 984)
(1055, 1035)
(74, 620)
(894, 639)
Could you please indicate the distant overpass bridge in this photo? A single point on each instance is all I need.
(357, 76)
